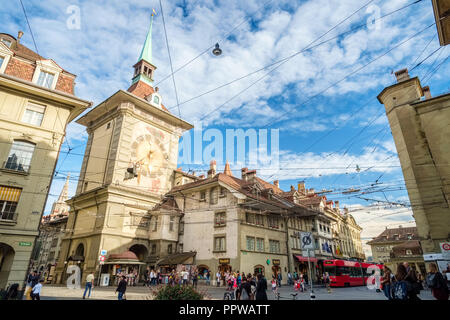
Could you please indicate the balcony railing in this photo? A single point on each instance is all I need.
(14, 166)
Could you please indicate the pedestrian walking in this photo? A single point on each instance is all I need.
(279, 278)
(208, 278)
(400, 287)
(261, 287)
(122, 288)
(218, 278)
(274, 286)
(245, 289)
(437, 283)
(327, 281)
(36, 292)
(195, 279)
(411, 278)
(29, 285)
(387, 281)
(89, 285)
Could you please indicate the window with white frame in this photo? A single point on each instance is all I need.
(6, 42)
(1, 60)
(219, 243)
(20, 156)
(260, 244)
(33, 114)
(46, 79)
(274, 246)
(219, 219)
(172, 220)
(250, 243)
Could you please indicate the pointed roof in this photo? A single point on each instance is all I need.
(227, 169)
(146, 53)
(64, 195)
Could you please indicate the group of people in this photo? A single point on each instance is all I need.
(407, 283)
(34, 286)
(249, 287)
(183, 277)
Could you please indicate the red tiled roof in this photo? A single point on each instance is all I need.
(143, 90)
(388, 235)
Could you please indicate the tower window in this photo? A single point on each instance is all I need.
(156, 100)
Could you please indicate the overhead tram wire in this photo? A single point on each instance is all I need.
(170, 58)
(432, 65)
(210, 47)
(298, 52)
(287, 58)
(426, 46)
(433, 72)
(355, 71)
(431, 54)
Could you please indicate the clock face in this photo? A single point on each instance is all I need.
(149, 155)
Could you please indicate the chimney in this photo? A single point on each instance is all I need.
(202, 176)
(212, 169)
(250, 175)
(311, 191)
(19, 36)
(243, 173)
(301, 186)
(276, 183)
(156, 89)
(336, 204)
(292, 188)
(402, 75)
(426, 92)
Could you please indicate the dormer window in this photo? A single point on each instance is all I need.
(156, 100)
(45, 79)
(6, 42)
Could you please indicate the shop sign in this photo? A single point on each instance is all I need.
(25, 244)
(224, 261)
(276, 262)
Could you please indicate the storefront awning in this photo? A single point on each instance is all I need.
(178, 258)
(305, 259)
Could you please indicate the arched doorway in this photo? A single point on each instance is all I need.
(202, 270)
(6, 259)
(80, 250)
(141, 253)
(258, 269)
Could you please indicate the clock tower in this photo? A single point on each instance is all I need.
(129, 164)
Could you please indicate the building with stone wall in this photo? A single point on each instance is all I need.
(398, 245)
(37, 102)
(420, 125)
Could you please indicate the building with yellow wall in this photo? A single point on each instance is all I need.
(37, 102)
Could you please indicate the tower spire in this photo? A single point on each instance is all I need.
(143, 69)
(65, 191)
(146, 53)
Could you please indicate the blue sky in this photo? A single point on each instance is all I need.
(322, 132)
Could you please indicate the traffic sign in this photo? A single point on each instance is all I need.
(102, 258)
(103, 252)
(307, 240)
(445, 249)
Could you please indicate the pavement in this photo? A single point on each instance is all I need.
(58, 292)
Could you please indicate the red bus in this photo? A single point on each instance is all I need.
(345, 273)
